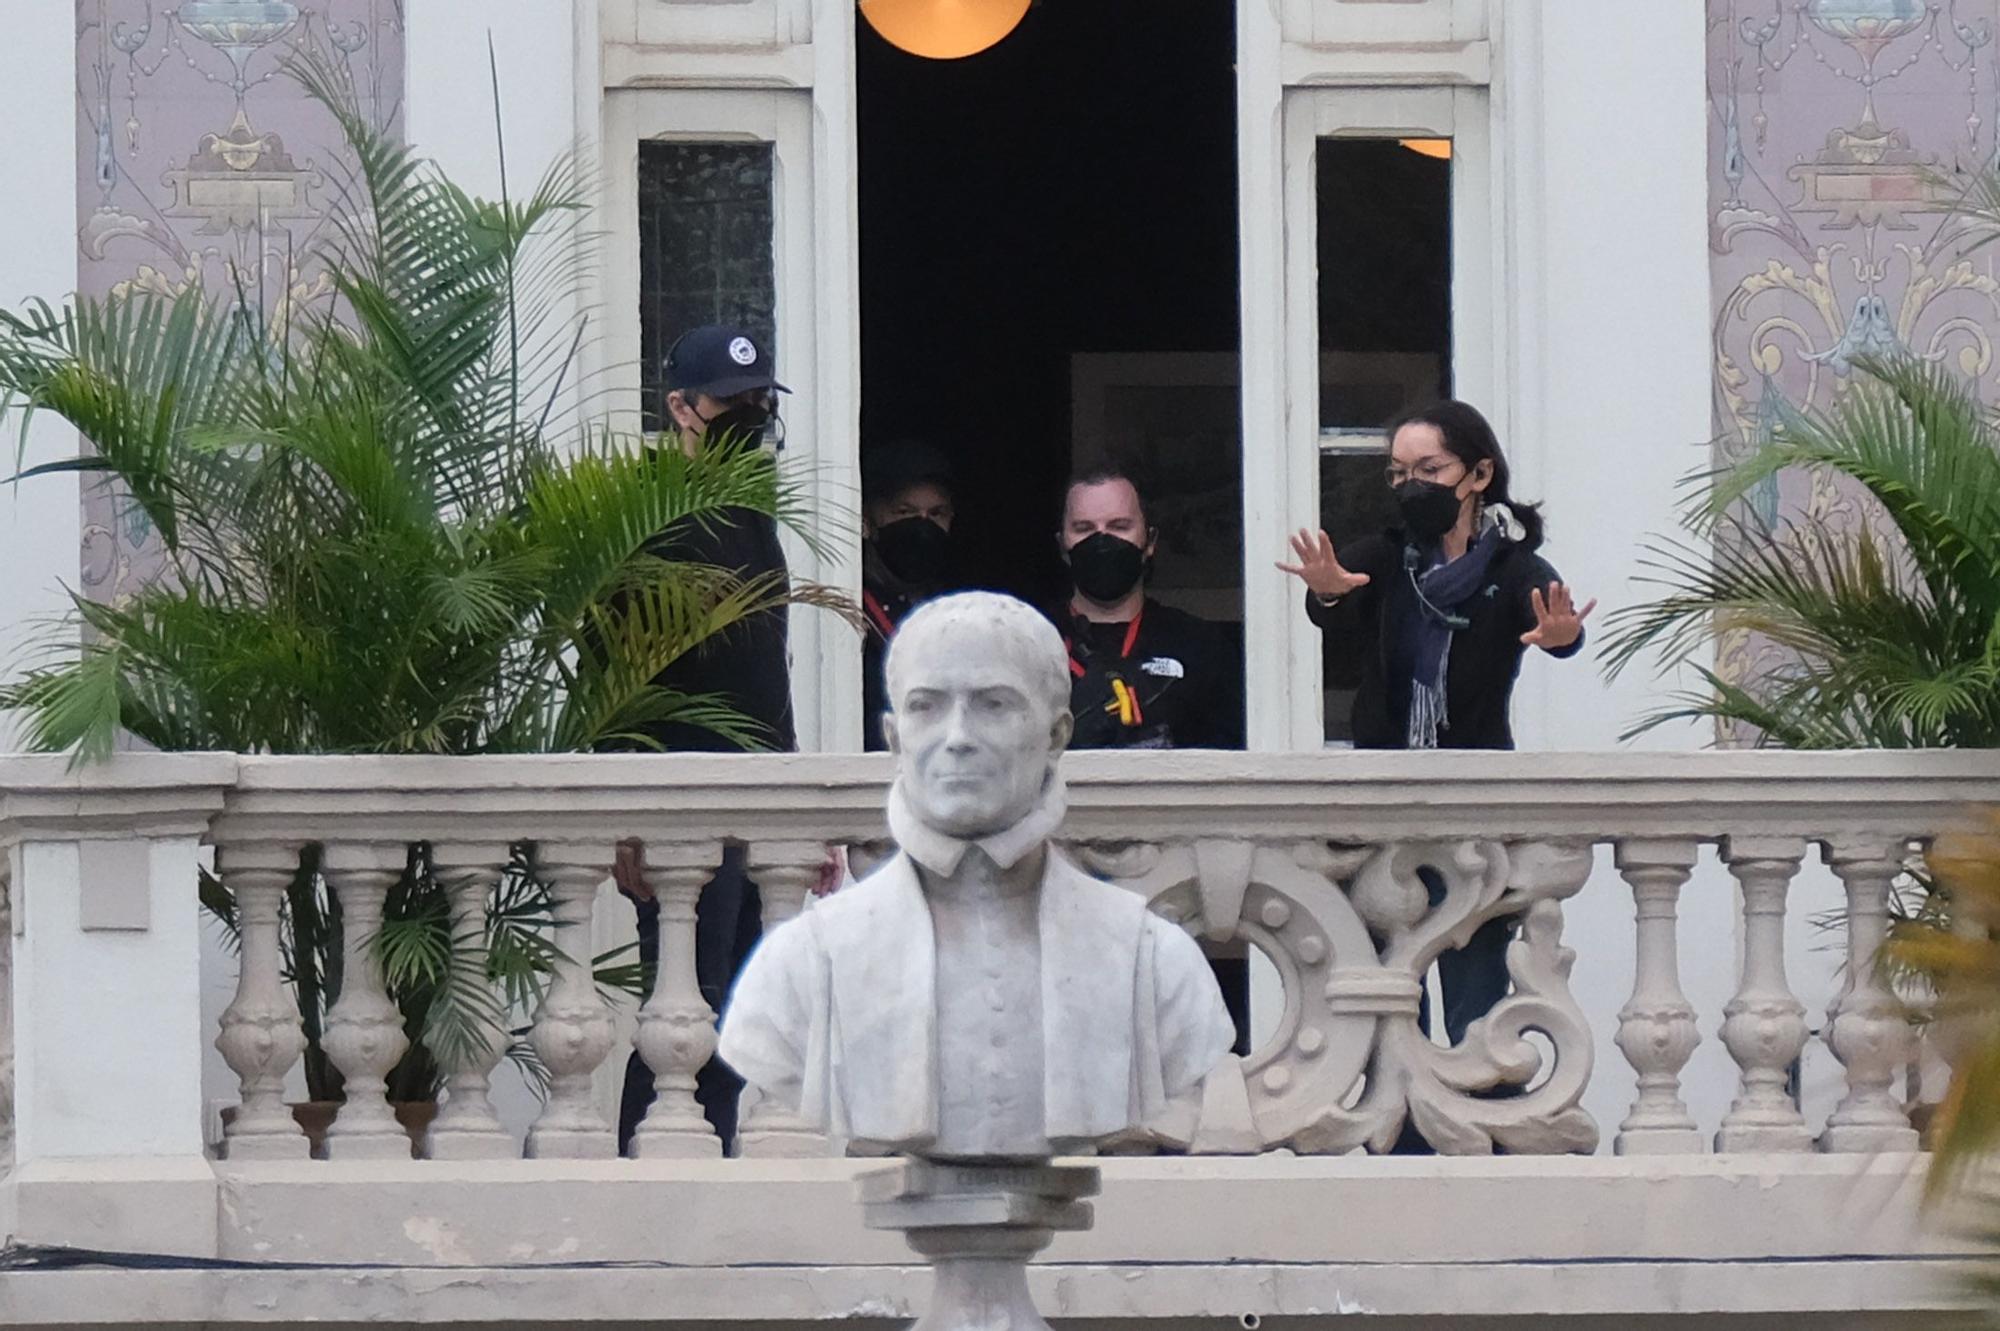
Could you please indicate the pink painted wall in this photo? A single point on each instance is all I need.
(200, 159)
(1835, 127)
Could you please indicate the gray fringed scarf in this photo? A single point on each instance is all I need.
(1443, 588)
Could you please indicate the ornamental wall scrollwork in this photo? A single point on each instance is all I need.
(1352, 932)
(195, 167)
(1842, 132)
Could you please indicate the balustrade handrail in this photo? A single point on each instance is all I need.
(1371, 795)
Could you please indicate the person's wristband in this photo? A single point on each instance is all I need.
(1328, 600)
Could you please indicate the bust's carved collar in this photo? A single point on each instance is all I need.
(940, 852)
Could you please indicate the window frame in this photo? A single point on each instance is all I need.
(1456, 113)
(819, 430)
(1285, 702)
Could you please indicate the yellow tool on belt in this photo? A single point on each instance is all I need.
(1124, 703)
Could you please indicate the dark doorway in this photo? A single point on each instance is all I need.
(1061, 209)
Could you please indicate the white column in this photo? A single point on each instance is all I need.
(1656, 1029)
(106, 981)
(1764, 1026)
(1869, 1031)
(677, 1026)
(364, 1031)
(826, 655)
(41, 521)
(1280, 416)
(1609, 382)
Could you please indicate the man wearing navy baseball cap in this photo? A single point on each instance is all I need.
(721, 386)
(721, 390)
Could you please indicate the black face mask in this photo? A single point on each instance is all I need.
(743, 425)
(916, 550)
(1429, 509)
(1106, 567)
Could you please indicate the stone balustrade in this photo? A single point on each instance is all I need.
(1351, 872)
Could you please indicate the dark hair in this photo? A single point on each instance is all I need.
(1469, 438)
(1103, 473)
(889, 469)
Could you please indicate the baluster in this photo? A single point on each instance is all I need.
(1765, 1025)
(364, 1031)
(784, 873)
(573, 1030)
(1868, 1031)
(466, 1128)
(677, 1026)
(261, 1035)
(6, 1010)
(1656, 1029)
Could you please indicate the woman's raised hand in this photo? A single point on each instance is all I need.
(1558, 622)
(1318, 568)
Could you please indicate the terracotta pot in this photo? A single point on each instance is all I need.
(314, 1117)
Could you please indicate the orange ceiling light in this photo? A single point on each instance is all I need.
(1438, 148)
(943, 29)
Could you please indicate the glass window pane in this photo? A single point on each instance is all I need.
(1384, 280)
(1384, 335)
(705, 249)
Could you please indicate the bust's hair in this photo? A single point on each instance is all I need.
(1033, 638)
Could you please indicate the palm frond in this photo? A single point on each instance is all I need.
(1877, 643)
(386, 538)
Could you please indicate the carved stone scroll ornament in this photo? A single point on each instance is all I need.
(1221, 890)
(1352, 932)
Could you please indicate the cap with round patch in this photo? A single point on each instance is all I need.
(721, 361)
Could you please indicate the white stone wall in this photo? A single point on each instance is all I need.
(40, 522)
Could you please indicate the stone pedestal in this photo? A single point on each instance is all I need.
(978, 1225)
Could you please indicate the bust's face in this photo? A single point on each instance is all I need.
(973, 739)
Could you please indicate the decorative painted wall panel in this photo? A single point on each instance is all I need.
(201, 160)
(1836, 130)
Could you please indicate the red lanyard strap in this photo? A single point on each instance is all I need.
(880, 617)
(1124, 652)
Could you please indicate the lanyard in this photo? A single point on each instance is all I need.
(1124, 652)
(878, 616)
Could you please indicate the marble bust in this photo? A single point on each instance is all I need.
(978, 997)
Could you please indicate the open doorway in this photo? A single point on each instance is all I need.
(1048, 262)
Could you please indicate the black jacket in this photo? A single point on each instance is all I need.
(1366, 628)
(1185, 673)
(749, 664)
(886, 603)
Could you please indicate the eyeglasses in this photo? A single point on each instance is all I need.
(1430, 471)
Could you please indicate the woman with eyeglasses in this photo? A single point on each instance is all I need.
(1439, 612)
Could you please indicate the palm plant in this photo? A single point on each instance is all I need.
(1956, 963)
(385, 536)
(1889, 626)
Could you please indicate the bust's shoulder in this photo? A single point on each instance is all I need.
(875, 894)
(1068, 879)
